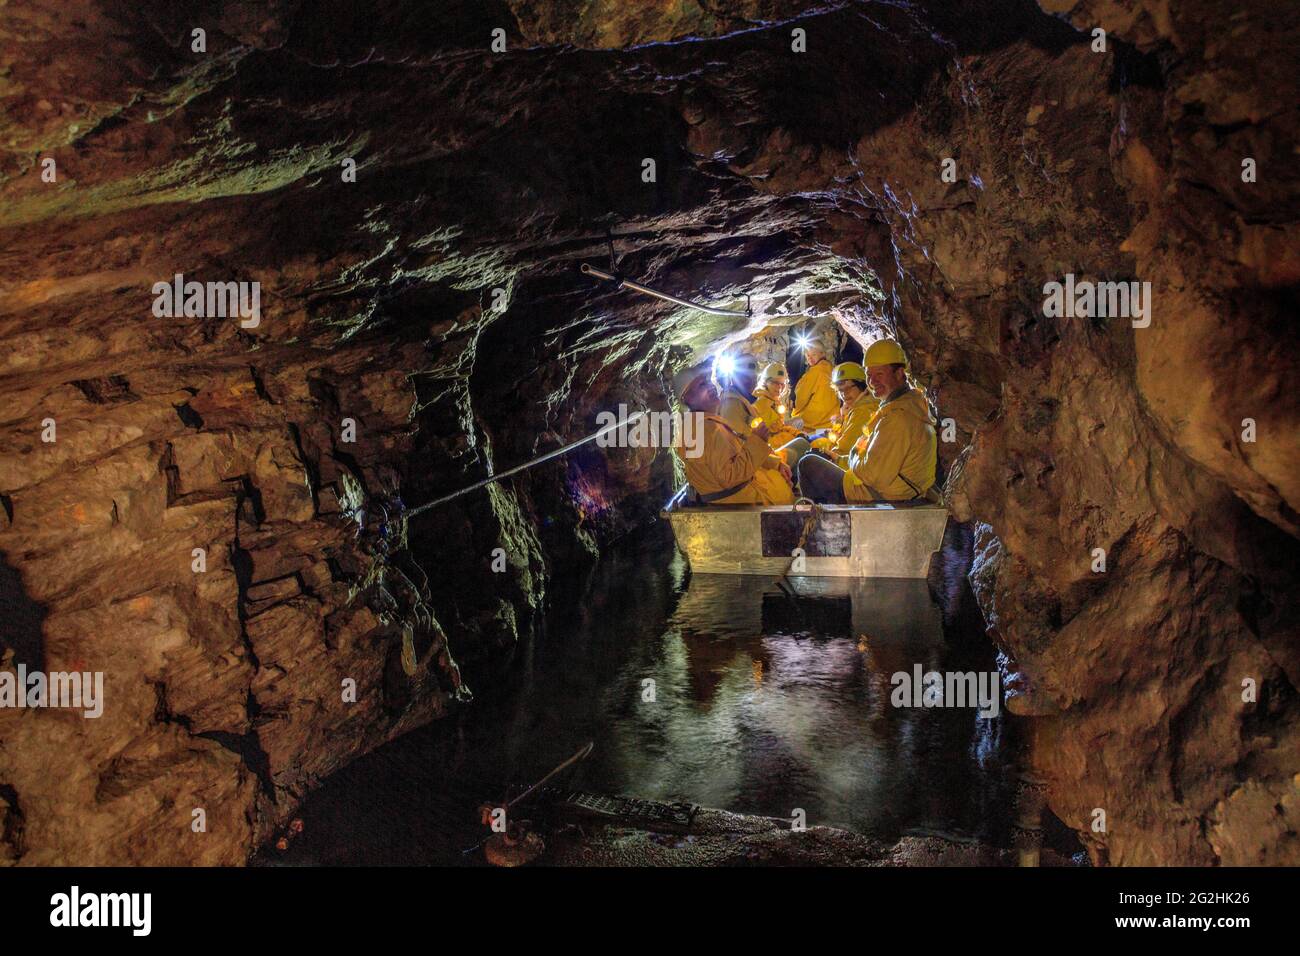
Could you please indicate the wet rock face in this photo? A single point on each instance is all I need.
(414, 207)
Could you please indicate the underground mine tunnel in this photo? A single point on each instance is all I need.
(281, 280)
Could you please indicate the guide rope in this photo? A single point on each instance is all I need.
(528, 464)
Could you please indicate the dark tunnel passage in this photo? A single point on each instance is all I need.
(23, 638)
(226, 529)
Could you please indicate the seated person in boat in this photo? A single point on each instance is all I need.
(733, 468)
(895, 456)
(857, 405)
(769, 404)
(735, 377)
(815, 403)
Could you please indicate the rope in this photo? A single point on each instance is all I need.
(528, 464)
(809, 523)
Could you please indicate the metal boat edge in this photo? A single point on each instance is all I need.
(879, 540)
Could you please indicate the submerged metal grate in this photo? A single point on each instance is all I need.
(622, 811)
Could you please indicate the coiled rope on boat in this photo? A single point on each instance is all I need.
(809, 523)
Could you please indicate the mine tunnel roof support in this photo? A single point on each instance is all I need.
(591, 270)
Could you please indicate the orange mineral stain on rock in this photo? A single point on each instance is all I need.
(73, 514)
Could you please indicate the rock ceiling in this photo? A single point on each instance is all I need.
(433, 298)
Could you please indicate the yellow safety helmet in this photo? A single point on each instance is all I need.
(849, 372)
(884, 352)
(773, 370)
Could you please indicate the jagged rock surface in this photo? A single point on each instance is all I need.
(777, 174)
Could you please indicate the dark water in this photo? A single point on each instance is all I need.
(762, 704)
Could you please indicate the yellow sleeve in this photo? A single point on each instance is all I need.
(767, 411)
(854, 428)
(879, 464)
(724, 463)
(844, 443)
(734, 413)
(760, 452)
(733, 462)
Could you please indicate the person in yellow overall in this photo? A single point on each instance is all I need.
(849, 380)
(815, 403)
(894, 459)
(815, 406)
(731, 469)
(857, 405)
(769, 404)
(735, 378)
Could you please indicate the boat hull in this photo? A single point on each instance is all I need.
(847, 541)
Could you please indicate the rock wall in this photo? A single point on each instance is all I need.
(1166, 681)
(415, 205)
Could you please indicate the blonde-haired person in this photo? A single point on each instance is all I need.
(815, 402)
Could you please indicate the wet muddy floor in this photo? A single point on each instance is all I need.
(722, 691)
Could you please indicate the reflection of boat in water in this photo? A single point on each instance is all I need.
(899, 613)
(768, 700)
(832, 625)
(844, 541)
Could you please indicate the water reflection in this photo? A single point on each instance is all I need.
(766, 702)
(721, 690)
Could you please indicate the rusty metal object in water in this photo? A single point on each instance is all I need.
(488, 812)
(620, 811)
(513, 849)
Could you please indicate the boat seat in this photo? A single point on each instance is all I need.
(686, 497)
